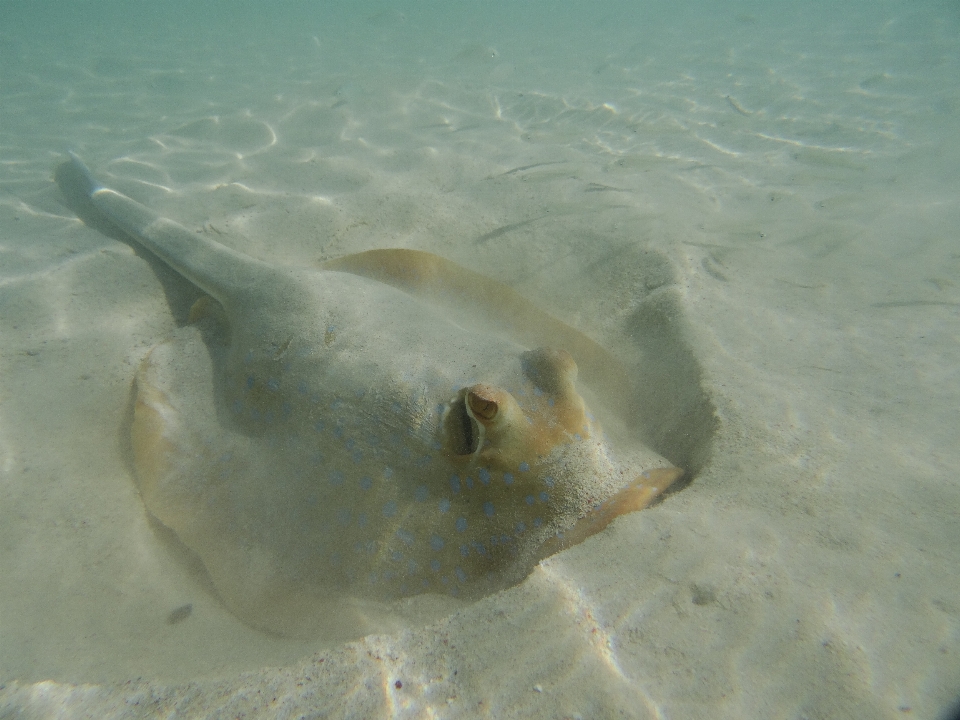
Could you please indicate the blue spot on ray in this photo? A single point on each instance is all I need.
(461, 524)
(488, 508)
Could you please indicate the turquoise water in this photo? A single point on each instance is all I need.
(750, 83)
(814, 145)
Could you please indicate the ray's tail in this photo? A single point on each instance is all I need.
(216, 269)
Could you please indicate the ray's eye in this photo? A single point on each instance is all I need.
(462, 431)
(471, 416)
(481, 407)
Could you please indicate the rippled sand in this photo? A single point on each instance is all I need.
(755, 210)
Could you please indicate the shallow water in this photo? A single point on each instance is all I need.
(754, 205)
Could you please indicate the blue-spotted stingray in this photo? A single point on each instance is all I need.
(333, 436)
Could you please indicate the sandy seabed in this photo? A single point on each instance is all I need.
(758, 216)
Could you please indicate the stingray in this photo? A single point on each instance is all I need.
(326, 437)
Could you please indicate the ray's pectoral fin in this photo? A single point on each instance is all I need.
(160, 439)
(173, 383)
(150, 438)
(636, 496)
(207, 308)
(468, 295)
(175, 429)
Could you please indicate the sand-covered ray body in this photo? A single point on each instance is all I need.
(317, 436)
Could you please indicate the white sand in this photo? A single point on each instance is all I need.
(758, 212)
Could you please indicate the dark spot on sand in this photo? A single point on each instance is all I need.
(179, 614)
(702, 595)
